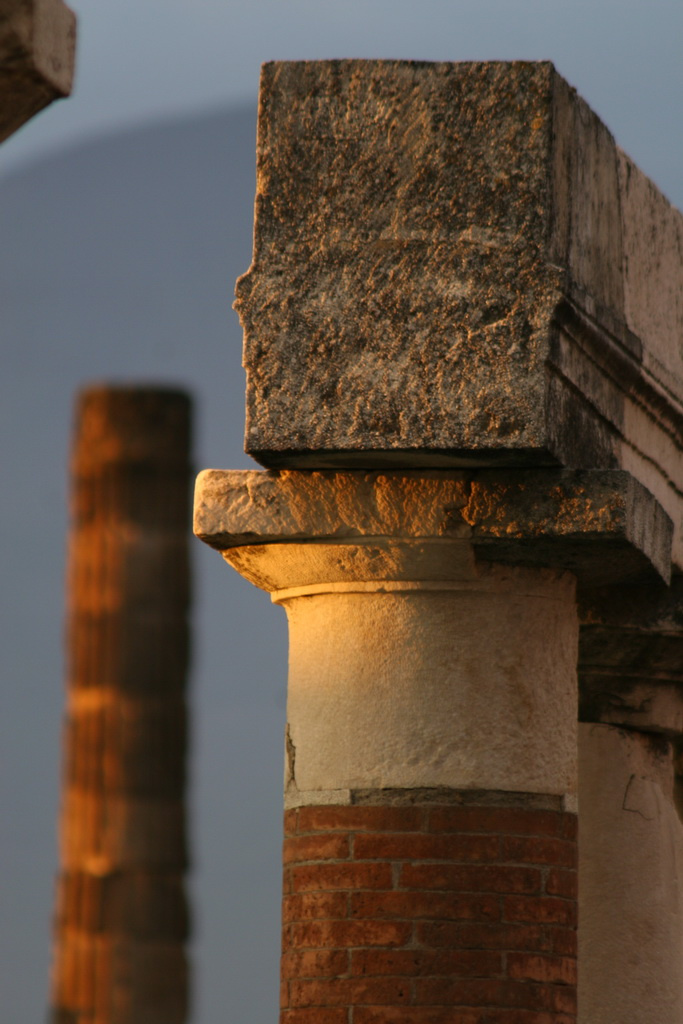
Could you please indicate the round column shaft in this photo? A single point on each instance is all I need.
(121, 921)
(430, 832)
(431, 769)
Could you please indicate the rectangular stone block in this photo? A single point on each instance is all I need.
(37, 49)
(455, 265)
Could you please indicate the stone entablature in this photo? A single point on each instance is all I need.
(454, 264)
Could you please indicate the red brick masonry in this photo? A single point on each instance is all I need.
(429, 915)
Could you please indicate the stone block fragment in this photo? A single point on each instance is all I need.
(37, 51)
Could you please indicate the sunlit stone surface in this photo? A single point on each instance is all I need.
(454, 264)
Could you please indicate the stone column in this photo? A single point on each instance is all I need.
(430, 838)
(121, 921)
(431, 768)
(464, 379)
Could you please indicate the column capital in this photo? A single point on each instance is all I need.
(603, 526)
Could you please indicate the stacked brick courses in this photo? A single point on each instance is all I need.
(122, 917)
(403, 914)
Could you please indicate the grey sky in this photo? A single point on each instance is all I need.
(143, 59)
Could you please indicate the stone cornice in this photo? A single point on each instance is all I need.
(617, 353)
(601, 525)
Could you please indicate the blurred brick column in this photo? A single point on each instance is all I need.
(121, 922)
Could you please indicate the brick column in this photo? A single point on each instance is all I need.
(121, 921)
(402, 910)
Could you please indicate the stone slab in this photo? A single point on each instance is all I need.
(454, 264)
(655, 707)
(631, 656)
(37, 54)
(602, 525)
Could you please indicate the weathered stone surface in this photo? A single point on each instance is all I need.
(603, 526)
(37, 49)
(403, 686)
(455, 265)
(630, 865)
(121, 912)
(655, 707)
(631, 657)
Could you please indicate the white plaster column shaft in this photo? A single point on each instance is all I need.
(467, 685)
(413, 683)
